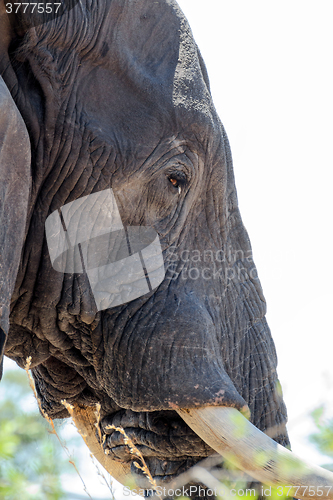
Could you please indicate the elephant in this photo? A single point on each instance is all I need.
(126, 271)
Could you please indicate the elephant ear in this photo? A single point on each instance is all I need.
(14, 195)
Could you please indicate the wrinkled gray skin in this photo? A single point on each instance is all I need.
(115, 94)
(15, 179)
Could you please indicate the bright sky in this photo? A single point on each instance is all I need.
(270, 66)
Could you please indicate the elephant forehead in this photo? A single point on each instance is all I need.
(148, 46)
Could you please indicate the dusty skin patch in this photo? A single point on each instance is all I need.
(187, 71)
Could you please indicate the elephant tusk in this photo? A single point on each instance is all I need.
(85, 421)
(229, 433)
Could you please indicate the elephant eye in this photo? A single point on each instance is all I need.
(174, 181)
(178, 180)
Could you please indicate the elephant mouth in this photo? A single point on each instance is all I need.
(167, 444)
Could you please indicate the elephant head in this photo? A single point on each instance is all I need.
(127, 152)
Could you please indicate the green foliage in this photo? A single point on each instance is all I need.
(30, 460)
(240, 488)
(323, 439)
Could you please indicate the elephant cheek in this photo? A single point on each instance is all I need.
(14, 194)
